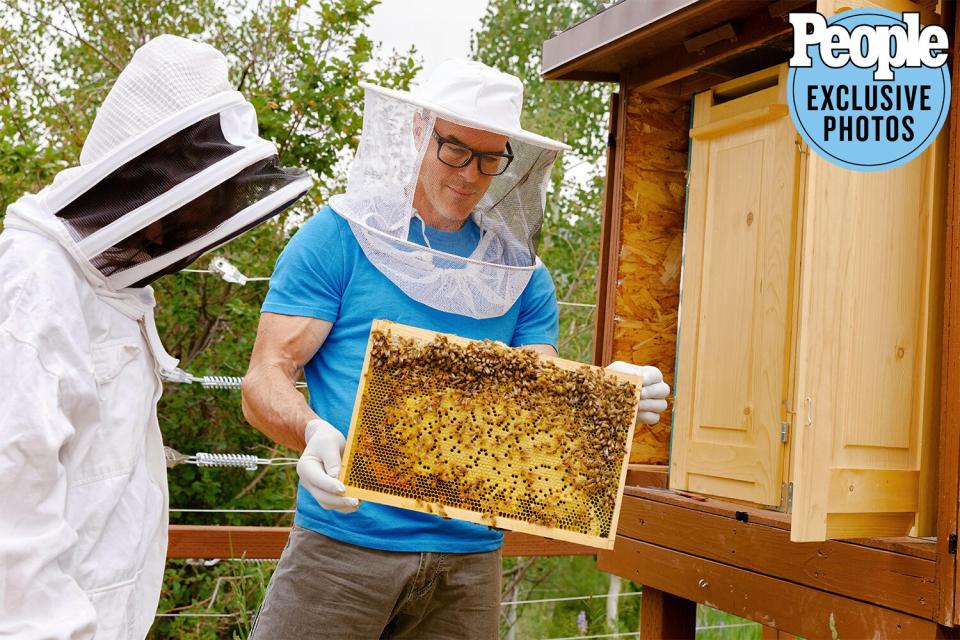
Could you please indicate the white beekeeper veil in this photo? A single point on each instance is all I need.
(173, 167)
(399, 140)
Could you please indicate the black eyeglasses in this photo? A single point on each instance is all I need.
(454, 154)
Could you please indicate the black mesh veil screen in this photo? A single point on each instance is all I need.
(184, 262)
(200, 217)
(147, 176)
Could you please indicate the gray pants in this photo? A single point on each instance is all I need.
(323, 588)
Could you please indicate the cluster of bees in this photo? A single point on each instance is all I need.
(491, 429)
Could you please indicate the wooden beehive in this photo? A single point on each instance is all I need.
(492, 435)
(808, 342)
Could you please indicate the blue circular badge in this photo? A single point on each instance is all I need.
(861, 123)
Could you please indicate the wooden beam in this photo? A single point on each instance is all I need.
(892, 580)
(201, 541)
(769, 633)
(648, 475)
(584, 47)
(678, 63)
(711, 505)
(664, 615)
(917, 547)
(609, 240)
(948, 476)
(791, 607)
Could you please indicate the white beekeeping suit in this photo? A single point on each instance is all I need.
(172, 167)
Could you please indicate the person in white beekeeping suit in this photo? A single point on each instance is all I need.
(172, 167)
(437, 230)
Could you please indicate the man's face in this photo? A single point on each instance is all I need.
(446, 195)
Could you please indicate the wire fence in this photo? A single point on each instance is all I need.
(227, 272)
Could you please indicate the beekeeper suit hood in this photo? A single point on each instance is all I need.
(398, 132)
(172, 167)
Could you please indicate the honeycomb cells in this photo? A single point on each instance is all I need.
(493, 430)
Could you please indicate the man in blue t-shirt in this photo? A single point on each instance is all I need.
(438, 234)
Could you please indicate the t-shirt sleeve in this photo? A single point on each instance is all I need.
(309, 278)
(539, 317)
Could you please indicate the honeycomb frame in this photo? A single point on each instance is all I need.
(506, 438)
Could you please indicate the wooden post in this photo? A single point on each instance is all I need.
(609, 241)
(664, 616)
(949, 445)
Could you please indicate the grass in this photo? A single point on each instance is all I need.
(218, 601)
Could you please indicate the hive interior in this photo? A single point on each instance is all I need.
(496, 431)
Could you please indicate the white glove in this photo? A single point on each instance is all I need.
(655, 391)
(319, 466)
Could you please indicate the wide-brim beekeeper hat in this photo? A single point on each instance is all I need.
(475, 95)
(172, 167)
(384, 176)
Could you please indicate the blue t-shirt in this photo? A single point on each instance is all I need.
(323, 273)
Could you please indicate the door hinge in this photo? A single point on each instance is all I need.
(612, 140)
(786, 497)
(952, 544)
(784, 431)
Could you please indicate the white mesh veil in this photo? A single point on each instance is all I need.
(166, 77)
(396, 150)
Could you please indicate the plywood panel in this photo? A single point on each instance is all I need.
(651, 233)
(654, 147)
(733, 361)
(653, 177)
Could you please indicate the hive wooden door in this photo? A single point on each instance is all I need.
(737, 293)
(868, 344)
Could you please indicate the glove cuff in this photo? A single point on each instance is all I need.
(312, 427)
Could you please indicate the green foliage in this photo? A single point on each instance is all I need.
(300, 67)
(718, 625)
(299, 64)
(566, 577)
(222, 598)
(510, 38)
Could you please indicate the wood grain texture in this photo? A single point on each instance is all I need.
(868, 337)
(609, 236)
(733, 362)
(794, 608)
(664, 615)
(221, 541)
(948, 474)
(925, 548)
(894, 580)
(652, 178)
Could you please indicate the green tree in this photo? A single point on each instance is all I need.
(510, 38)
(299, 64)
